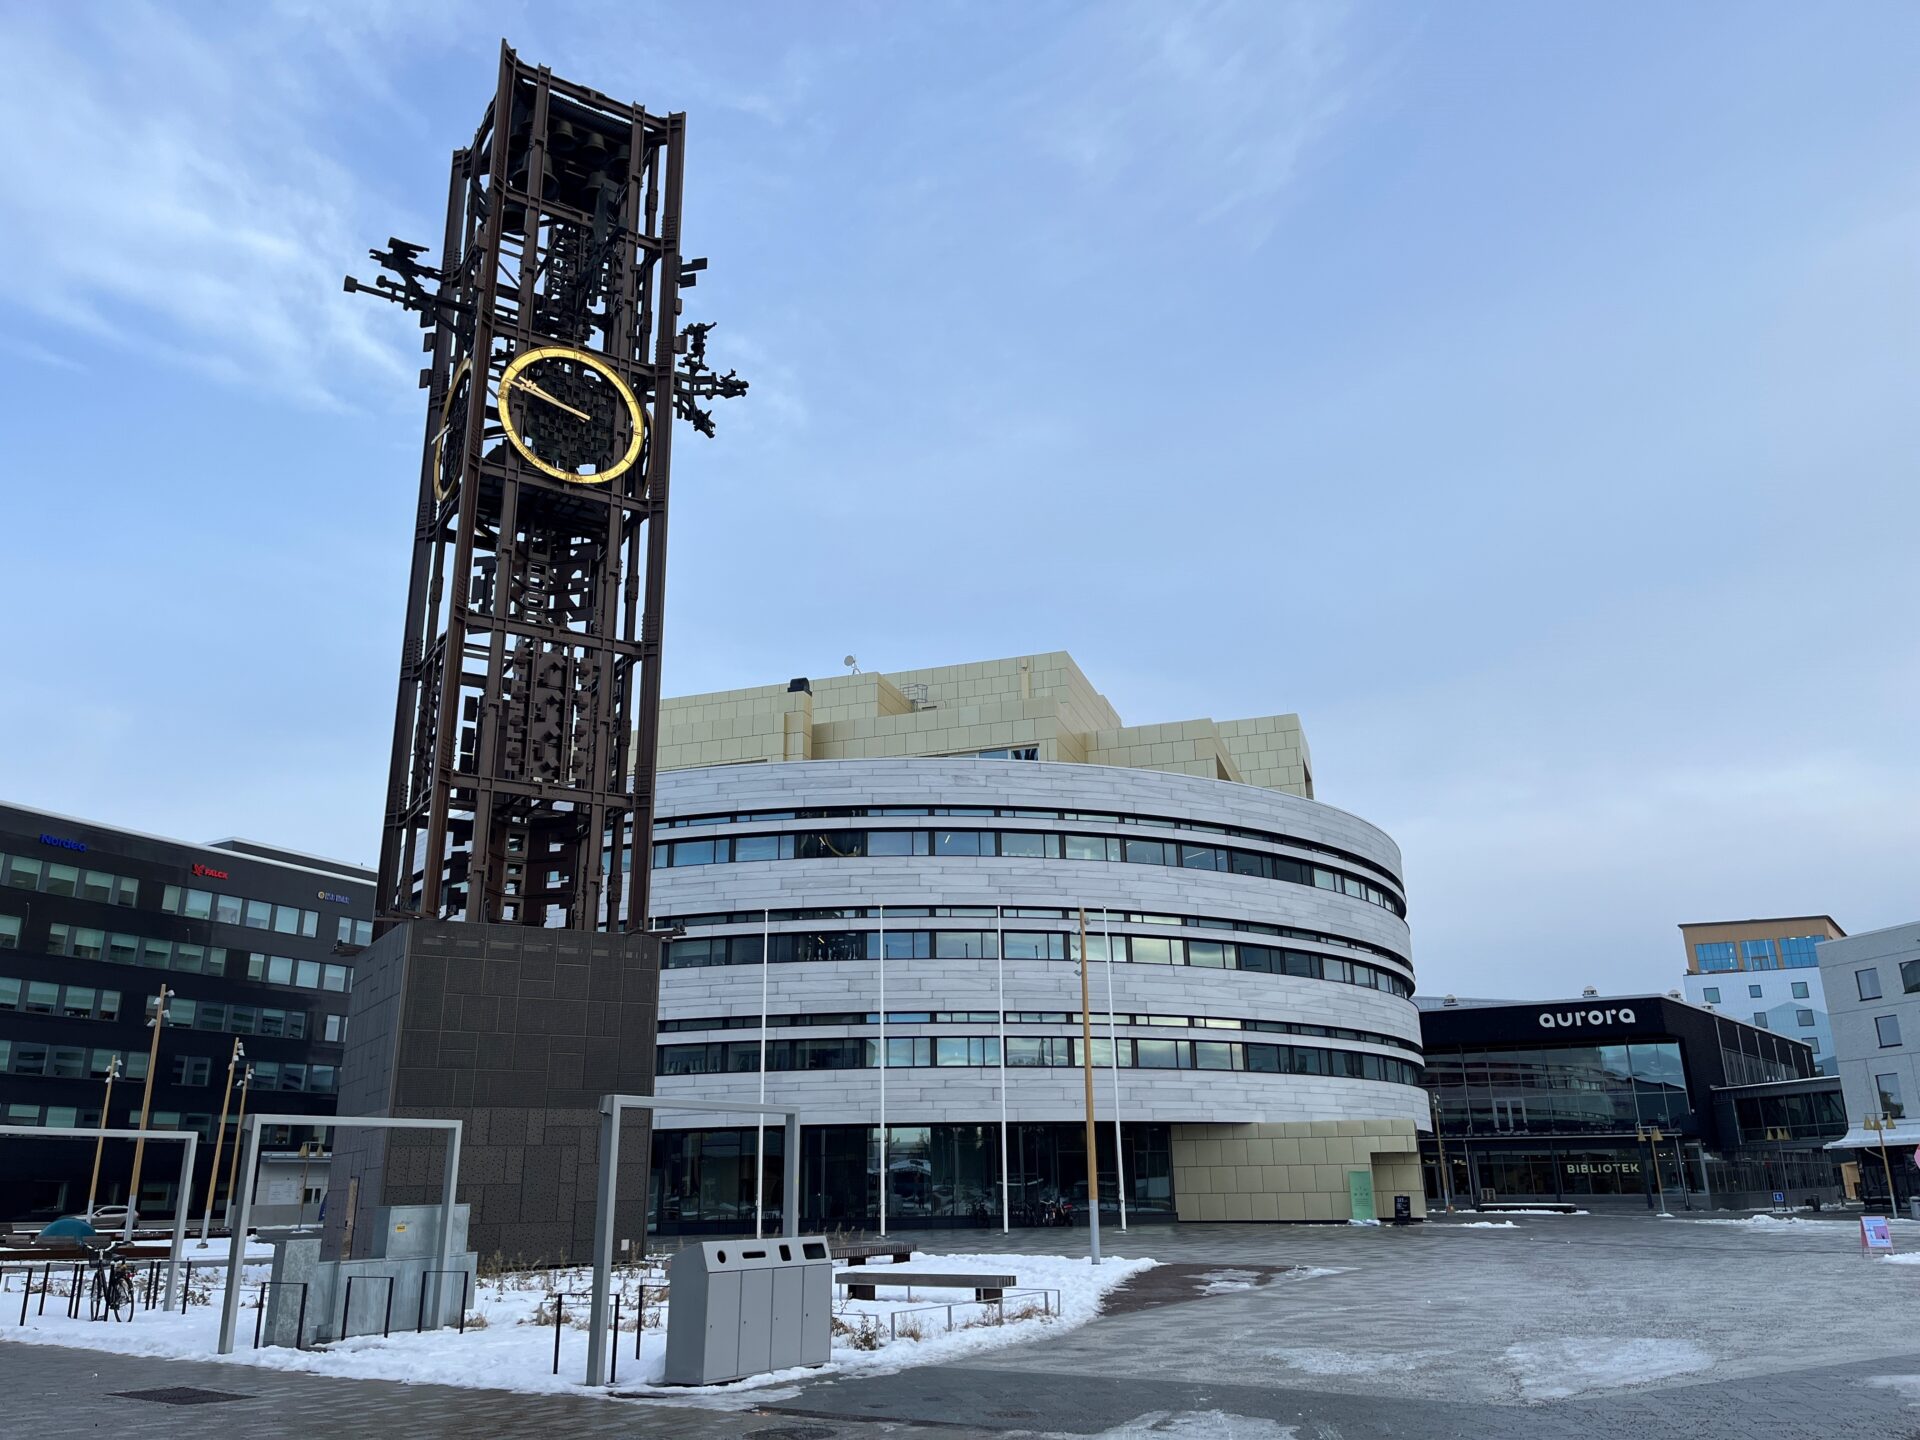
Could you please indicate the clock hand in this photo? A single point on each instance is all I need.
(534, 389)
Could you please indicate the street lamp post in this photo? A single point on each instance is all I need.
(146, 1103)
(1879, 1123)
(1651, 1136)
(220, 1138)
(233, 1166)
(100, 1144)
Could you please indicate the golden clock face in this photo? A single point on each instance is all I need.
(569, 416)
(447, 459)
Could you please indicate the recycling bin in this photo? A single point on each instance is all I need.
(744, 1307)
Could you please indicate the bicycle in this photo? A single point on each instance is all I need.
(111, 1291)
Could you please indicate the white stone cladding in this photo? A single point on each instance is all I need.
(972, 1095)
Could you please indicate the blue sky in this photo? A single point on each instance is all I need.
(1523, 394)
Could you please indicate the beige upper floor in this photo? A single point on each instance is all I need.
(1041, 706)
(1736, 932)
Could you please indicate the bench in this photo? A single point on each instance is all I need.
(858, 1252)
(862, 1283)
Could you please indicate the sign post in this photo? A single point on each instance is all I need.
(1876, 1233)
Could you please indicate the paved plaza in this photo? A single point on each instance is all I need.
(1591, 1326)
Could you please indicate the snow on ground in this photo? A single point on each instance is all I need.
(1562, 1213)
(1555, 1369)
(1794, 1224)
(1912, 1257)
(1198, 1425)
(1349, 1362)
(510, 1347)
(1481, 1225)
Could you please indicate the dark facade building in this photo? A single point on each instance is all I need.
(1557, 1100)
(257, 943)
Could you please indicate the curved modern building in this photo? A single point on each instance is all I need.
(1251, 963)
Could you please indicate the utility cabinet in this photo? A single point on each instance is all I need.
(745, 1307)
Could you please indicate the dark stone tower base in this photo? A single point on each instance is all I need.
(518, 1032)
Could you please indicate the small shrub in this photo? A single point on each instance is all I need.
(476, 1320)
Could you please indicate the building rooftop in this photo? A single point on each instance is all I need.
(1023, 707)
(251, 849)
(1832, 923)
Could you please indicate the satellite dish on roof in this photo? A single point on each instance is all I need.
(851, 664)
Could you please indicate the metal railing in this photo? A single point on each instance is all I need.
(1050, 1302)
(300, 1321)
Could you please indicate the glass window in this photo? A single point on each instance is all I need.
(1887, 1027)
(1753, 992)
(1760, 1019)
(310, 923)
(1023, 843)
(962, 842)
(1202, 857)
(307, 974)
(1086, 847)
(279, 970)
(1797, 951)
(1757, 954)
(1799, 989)
(155, 954)
(693, 852)
(1891, 1104)
(1803, 1018)
(1711, 994)
(1208, 954)
(335, 977)
(9, 993)
(286, 919)
(23, 874)
(9, 932)
(109, 1004)
(62, 879)
(77, 1003)
(1713, 955)
(1145, 852)
(1160, 1054)
(363, 932)
(96, 885)
(1216, 1055)
(1909, 975)
(1151, 950)
(259, 915)
(199, 905)
(1867, 982)
(226, 909)
(123, 949)
(879, 842)
(42, 997)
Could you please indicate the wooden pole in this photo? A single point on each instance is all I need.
(233, 1166)
(1086, 1066)
(146, 1102)
(100, 1144)
(219, 1140)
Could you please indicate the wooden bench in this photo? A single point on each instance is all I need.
(858, 1252)
(862, 1283)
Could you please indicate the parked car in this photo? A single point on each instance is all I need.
(111, 1219)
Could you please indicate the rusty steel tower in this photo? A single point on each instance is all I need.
(513, 983)
(521, 784)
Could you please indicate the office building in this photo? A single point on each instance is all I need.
(1251, 971)
(1557, 1101)
(1873, 983)
(1764, 971)
(257, 944)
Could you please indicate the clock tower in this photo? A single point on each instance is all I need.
(512, 977)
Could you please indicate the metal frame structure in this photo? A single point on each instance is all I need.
(612, 1110)
(519, 786)
(181, 1203)
(249, 1140)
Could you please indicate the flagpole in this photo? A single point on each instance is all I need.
(760, 1120)
(1086, 1058)
(883, 1068)
(1000, 975)
(1113, 1043)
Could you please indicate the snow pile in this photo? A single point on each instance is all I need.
(1555, 1369)
(1481, 1225)
(1912, 1257)
(508, 1344)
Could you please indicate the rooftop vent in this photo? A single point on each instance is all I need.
(800, 684)
(1448, 1000)
(1589, 993)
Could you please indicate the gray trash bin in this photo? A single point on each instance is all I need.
(744, 1307)
(1913, 1207)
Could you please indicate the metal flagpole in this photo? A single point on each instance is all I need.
(883, 1068)
(1086, 1059)
(1113, 1042)
(1000, 975)
(760, 1121)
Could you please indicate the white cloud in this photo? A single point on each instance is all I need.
(172, 200)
